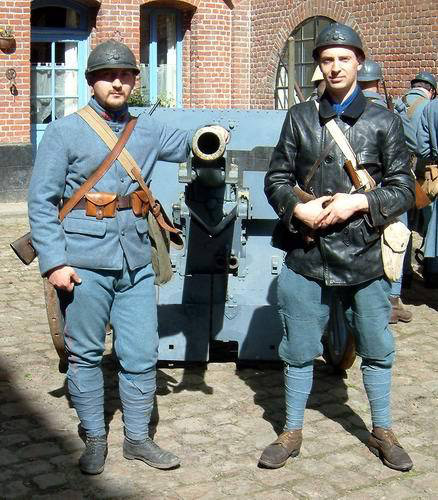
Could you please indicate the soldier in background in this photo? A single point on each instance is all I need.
(411, 104)
(410, 108)
(333, 240)
(369, 77)
(427, 149)
(101, 265)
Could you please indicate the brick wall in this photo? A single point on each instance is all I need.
(230, 47)
(15, 112)
(216, 45)
(402, 37)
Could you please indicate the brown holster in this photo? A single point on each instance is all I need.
(305, 231)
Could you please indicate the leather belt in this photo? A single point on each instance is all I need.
(123, 202)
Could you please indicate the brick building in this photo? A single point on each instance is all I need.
(193, 53)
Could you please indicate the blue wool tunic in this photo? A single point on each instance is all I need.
(68, 154)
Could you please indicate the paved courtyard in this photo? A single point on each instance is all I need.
(217, 418)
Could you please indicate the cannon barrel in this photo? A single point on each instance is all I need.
(209, 143)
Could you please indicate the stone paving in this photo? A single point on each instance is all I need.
(218, 420)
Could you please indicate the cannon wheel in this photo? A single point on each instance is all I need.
(56, 323)
(339, 345)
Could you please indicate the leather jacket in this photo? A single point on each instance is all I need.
(347, 253)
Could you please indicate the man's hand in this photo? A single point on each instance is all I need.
(63, 278)
(341, 208)
(309, 212)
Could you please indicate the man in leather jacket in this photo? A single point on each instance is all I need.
(339, 251)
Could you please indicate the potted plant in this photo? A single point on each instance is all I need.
(7, 39)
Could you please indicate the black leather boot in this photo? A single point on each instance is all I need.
(92, 460)
(150, 453)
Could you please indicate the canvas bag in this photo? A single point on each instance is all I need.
(395, 235)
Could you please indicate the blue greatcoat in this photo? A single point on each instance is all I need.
(111, 256)
(375, 97)
(427, 147)
(68, 154)
(409, 108)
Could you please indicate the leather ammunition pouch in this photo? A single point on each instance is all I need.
(140, 203)
(430, 181)
(101, 205)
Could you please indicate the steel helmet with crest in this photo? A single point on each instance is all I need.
(337, 35)
(111, 55)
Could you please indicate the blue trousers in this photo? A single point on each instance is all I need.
(126, 299)
(304, 309)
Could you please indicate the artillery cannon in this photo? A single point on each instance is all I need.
(223, 293)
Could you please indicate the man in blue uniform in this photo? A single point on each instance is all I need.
(333, 240)
(427, 149)
(102, 266)
(410, 107)
(411, 104)
(369, 76)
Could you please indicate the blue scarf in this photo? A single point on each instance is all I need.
(339, 108)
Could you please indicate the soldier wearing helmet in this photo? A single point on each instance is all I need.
(427, 171)
(369, 77)
(330, 230)
(99, 260)
(411, 104)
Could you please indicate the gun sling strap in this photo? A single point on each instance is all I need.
(345, 146)
(104, 131)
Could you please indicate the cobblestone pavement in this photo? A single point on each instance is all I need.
(218, 421)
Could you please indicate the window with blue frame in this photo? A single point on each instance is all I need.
(161, 56)
(58, 54)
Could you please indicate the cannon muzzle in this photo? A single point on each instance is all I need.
(209, 143)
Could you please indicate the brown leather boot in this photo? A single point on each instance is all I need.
(398, 311)
(287, 445)
(384, 444)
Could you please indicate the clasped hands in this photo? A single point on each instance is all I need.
(328, 210)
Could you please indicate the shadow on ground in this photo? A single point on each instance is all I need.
(329, 395)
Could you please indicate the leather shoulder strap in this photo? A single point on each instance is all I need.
(104, 131)
(347, 150)
(99, 125)
(101, 170)
(340, 139)
(411, 109)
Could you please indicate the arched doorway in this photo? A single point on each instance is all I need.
(59, 50)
